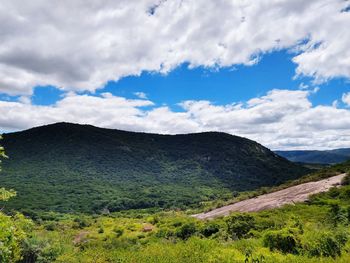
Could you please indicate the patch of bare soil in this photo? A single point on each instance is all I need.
(294, 194)
(79, 238)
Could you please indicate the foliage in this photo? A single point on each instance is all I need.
(316, 231)
(282, 240)
(5, 195)
(2, 152)
(346, 180)
(325, 243)
(186, 231)
(13, 231)
(71, 168)
(36, 250)
(337, 215)
(238, 226)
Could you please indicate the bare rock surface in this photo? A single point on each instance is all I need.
(290, 195)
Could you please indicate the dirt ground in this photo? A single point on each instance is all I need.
(294, 194)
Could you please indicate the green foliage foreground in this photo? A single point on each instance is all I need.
(317, 231)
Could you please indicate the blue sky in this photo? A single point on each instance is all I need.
(274, 71)
(221, 86)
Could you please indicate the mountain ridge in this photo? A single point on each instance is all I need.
(317, 156)
(68, 167)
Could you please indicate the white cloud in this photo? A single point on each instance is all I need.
(281, 119)
(80, 45)
(140, 95)
(346, 98)
(303, 86)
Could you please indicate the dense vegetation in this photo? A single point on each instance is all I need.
(13, 229)
(317, 231)
(320, 157)
(80, 168)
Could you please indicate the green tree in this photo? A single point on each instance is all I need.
(2, 153)
(4, 194)
(13, 229)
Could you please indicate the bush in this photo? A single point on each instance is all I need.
(326, 244)
(13, 231)
(81, 223)
(281, 240)
(36, 250)
(186, 231)
(51, 226)
(346, 180)
(238, 226)
(210, 229)
(118, 231)
(337, 215)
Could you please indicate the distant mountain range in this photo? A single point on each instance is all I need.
(321, 157)
(68, 168)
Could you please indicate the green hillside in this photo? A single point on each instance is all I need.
(67, 168)
(315, 231)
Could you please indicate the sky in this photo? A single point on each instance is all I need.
(274, 71)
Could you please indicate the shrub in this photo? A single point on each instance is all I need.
(186, 231)
(210, 229)
(238, 226)
(36, 250)
(325, 244)
(281, 240)
(337, 215)
(346, 180)
(51, 226)
(81, 223)
(118, 231)
(165, 233)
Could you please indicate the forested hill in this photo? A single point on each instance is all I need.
(68, 167)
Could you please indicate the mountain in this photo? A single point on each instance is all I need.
(321, 157)
(81, 168)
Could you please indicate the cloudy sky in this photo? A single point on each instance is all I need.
(275, 71)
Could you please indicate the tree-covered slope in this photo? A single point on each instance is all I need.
(68, 167)
(321, 157)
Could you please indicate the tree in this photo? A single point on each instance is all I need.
(4, 194)
(2, 152)
(13, 229)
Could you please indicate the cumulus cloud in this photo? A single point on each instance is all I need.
(281, 119)
(81, 45)
(346, 98)
(140, 95)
